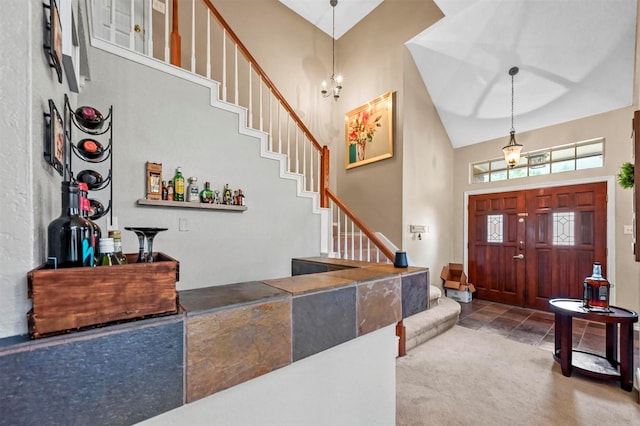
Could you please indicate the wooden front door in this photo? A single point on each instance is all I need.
(526, 247)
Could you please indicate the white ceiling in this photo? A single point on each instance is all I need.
(576, 59)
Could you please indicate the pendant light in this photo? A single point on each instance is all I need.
(512, 150)
(335, 80)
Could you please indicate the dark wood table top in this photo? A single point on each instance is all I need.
(575, 308)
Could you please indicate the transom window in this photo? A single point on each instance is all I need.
(566, 158)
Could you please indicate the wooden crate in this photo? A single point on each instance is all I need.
(71, 299)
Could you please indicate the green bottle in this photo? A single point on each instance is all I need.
(206, 195)
(178, 185)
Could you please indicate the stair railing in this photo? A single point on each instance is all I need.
(352, 239)
(238, 72)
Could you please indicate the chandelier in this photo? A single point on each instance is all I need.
(512, 150)
(336, 80)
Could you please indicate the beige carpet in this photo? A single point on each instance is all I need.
(468, 377)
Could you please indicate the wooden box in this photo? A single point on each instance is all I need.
(75, 298)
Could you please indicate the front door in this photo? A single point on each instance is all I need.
(526, 247)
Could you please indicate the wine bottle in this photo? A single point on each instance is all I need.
(178, 185)
(85, 212)
(117, 246)
(69, 236)
(108, 256)
(170, 190)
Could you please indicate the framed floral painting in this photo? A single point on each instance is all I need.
(369, 132)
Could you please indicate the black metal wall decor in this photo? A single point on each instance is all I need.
(54, 146)
(53, 37)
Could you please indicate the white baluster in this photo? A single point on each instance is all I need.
(112, 24)
(235, 75)
(132, 23)
(148, 30)
(167, 45)
(288, 142)
(250, 115)
(270, 120)
(208, 44)
(261, 116)
(224, 64)
(353, 247)
(297, 153)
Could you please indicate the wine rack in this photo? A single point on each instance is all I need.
(94, 149)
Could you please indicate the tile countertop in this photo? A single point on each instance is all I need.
(194, 353)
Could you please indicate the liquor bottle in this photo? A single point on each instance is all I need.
(178, 185)
(170, 190)
(117, 246)
(596, 290)
(193, 193)
(69, 236)
(85, 209)
(165, 192)
(206, 195)
(108, 256)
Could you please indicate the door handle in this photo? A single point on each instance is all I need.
(520, 256)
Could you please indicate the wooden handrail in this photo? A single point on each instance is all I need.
(262, 74)
(384, 249)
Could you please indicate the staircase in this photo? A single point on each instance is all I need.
(443, 313)
(262, 110)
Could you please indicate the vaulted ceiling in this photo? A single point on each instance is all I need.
(576, 59)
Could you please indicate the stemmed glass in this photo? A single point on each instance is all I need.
(148, 234)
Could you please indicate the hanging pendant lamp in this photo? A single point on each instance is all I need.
(335, 80)
(512, 150)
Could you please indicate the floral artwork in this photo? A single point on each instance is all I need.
(369, 132)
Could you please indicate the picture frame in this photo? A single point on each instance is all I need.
(54, 146)
(154, 181)
(53, 37)
(369, 132)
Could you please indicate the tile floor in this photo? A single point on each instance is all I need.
(533, 327)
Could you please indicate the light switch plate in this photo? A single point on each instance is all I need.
(417, 229)
(628, 229)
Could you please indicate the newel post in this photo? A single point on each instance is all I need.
(324, 177)
(176, 53)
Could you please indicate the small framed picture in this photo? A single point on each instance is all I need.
(53, 37)
(54, 139)
(154, 181)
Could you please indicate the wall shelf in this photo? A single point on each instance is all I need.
(188, 205)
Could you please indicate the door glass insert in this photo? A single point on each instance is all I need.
(563, 228)
(494, 228)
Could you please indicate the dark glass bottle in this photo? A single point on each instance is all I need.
(70, 235)
(596, 290)
(85, 212)
(165, 191)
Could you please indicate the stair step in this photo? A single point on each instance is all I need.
(432, 322)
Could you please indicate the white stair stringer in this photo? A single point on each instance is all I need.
(241, 112)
